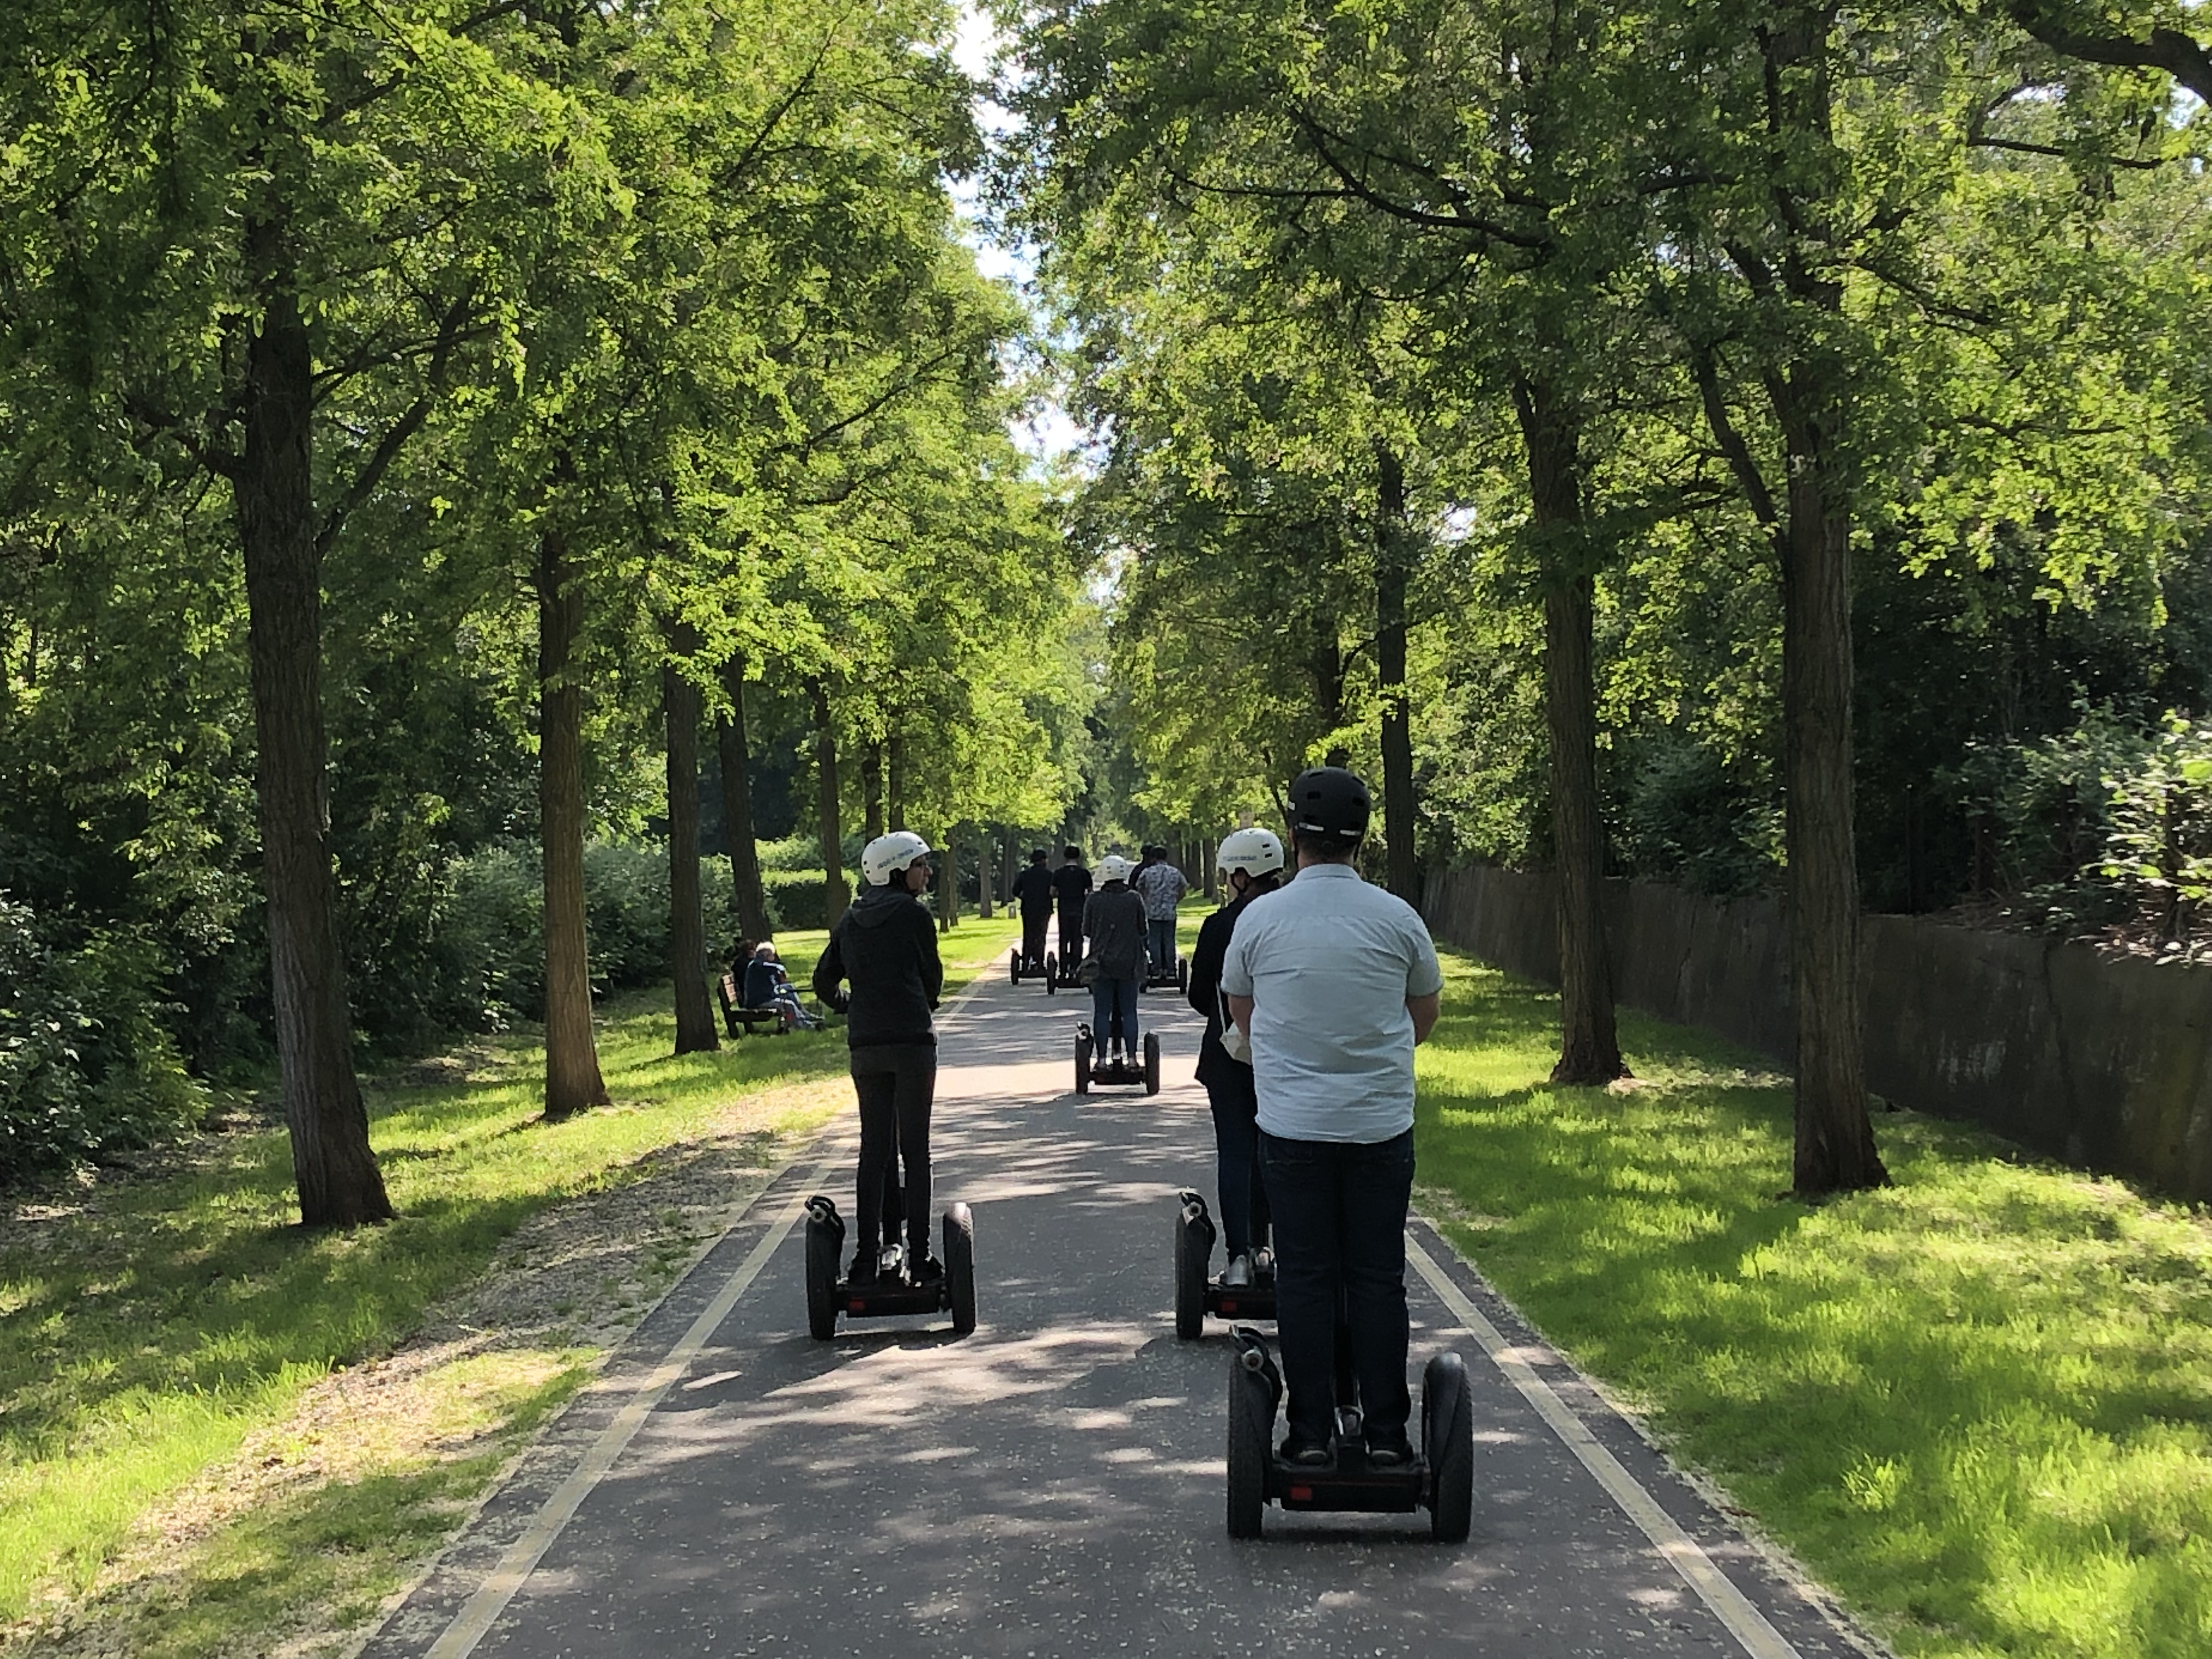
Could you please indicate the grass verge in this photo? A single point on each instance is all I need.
(166, 1342)
(1977, 1405)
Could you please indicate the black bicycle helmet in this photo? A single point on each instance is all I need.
(1330, 805)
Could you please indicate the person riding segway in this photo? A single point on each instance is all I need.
(1332, 984)
(1114, 926)
(1033, 890)
(1162, 886)
(1251, 865)
(1071, 886)
(885, 946)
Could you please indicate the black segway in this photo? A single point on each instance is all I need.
(1020, 967)
(1095, 1068)
(1441, 1479)
(894, 1291)
(1178, 976)
(1196, 1292)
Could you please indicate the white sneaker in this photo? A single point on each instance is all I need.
(1237, 1276)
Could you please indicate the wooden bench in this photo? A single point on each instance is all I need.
(740, 1020)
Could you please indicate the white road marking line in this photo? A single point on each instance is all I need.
(481, 1610)
(1714, 1587)
(475, 1619)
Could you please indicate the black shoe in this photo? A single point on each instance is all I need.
(1300, 1452)
(1389, 1451)
(924, 1268)
(864, 1268)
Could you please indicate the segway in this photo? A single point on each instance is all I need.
(1094, 1067)
(1441, 1479)
(1020, 967)
(1061, 973)
(894, 1292)
(1196, 1293)
(1178, 976)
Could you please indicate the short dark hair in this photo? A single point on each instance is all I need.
(1036, 855)
(1071, 851)
(1327, 848)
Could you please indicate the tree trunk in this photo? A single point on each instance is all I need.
(871, 789)
(983, 874)
(894, 803)
(1835, 1145)
(332, 1165)
(1589, 1045)
(748, 897)
(1010, 861)
(573, 1083)
(687, 932)
(1392, 554)
(1811, 398)
(948, 882)
(835, 895)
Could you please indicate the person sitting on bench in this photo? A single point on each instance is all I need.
(768, 986)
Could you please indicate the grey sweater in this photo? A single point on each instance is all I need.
(1114, 922)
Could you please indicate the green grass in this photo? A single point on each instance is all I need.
(145, 1333)
(1978, 1404)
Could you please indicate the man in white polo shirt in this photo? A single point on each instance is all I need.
(1334, 981)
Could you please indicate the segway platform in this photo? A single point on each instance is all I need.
(1020, 967)
(1196, 1292)
(1060, 973)
(1441, 1479)
(1178, 977)
(1093, 1069)
(894, 1293)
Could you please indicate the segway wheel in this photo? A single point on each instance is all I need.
(1051, 973)
(1183, 975)
(824, 1237)
(1193, 1254)
(1151, 1062)
(1251, 1426)
(1014, 965)
(1447, 1446)
(960, 1266)
(1083, 1062)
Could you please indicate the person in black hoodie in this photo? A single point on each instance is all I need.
(1252, 862)
(885, 946)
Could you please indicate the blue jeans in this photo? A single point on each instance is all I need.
(1106, 997)
(1339, 1210)
(1163, 935)
(1236, 1176)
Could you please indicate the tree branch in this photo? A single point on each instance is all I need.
(2185, 60)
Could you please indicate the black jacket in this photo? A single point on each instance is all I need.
(1034, 888)
(1206, 957)
(886, 946)
(1071, 882)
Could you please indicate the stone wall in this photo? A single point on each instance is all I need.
(2105, 1063)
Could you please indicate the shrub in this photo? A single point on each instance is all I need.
(86, 1066)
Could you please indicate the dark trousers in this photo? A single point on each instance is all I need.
(1162, 937)
(1033, 926)
(895, 1082)
(1071, 937)
(1340, 1210)
(1237, 1180)
(1109, 997)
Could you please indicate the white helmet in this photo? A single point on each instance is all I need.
(1255, 851)
(886, 855)
(1113, 867)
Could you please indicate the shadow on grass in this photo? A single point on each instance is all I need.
(1978, 1403)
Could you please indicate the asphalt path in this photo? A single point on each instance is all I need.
(1054, 1483)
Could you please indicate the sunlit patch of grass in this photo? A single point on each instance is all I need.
(1977, 1403)
(144, 1334)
